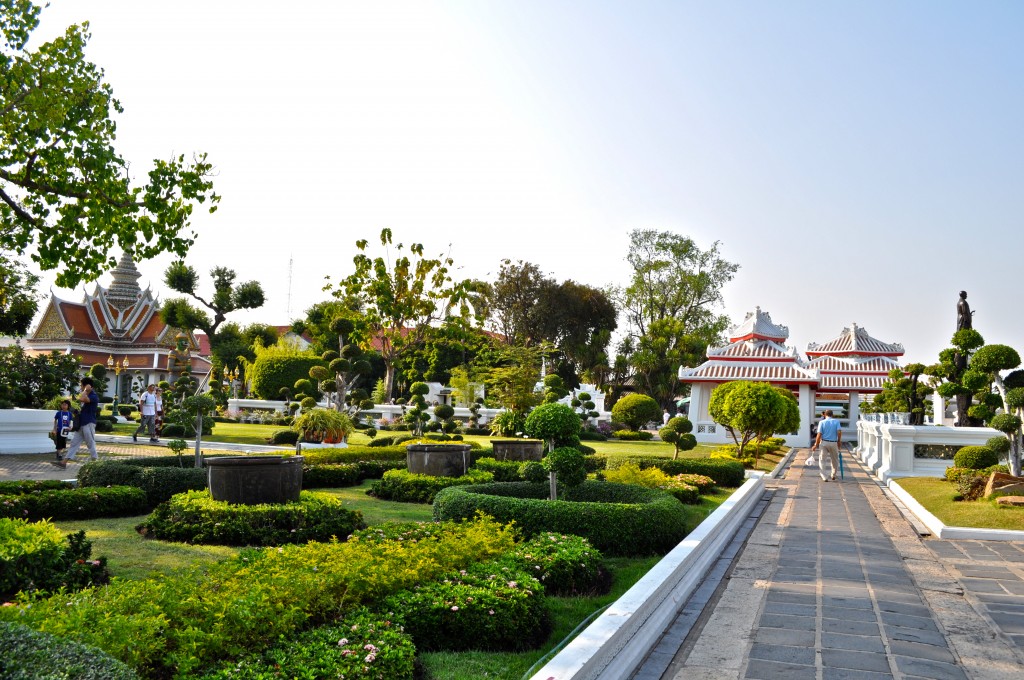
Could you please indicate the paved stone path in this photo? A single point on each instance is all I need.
(834, 583)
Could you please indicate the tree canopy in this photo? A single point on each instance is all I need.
(62, 181)
(670, 306)
(752, 410)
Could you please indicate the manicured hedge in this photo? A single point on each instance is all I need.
(726, 473)
(503, 470)
(617, 519)
(31, 655)
(88, 503)
(194, 517)
(37, 557)
(405, 487)
(31, 486)
(345, 474)
(487, 606)
(353, 454)
(159, 483)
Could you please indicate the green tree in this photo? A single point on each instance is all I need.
(750, 410)
(512, 383)
(670, 305)
(59, 171)
(954, 378)
(636, 410)
(556, 424)
(677, 432)
(227, 297)
(18, 299)
(29, 381)
(401, 300)
(904, 392)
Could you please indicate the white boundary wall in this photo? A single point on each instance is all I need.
(616, 643)
(887, 449)
(24, 430)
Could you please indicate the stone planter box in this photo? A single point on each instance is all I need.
(438, 460)
(518, 449)
(25, 430)
(251, 480)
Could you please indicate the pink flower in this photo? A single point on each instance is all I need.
(342, 642)
(370, 658)
(454, 608)
(491, 612)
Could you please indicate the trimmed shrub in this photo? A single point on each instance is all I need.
(594, 463)
(617, 519)
(636, 410)
(565, 564)
(31, 655)
(1001, 445)
(284, 438)
(533, 471)
(382, 441)
(970, 485)
(353, 454)
(14, 488)
(653, 478)
(486, 606)
(590, 436)
(180, 623)
(567, 464)
(329, 476)
(554, 423)
(975, 457)
(727, 473)
(194, 517)
(270, 373)
(345, 649)
(172, 430)
(88, 503)
(406, 487)
(159, 482)
(38, 557)
(633, 436)
(502, 470)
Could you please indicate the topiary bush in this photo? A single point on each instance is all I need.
(567, 464)
(726, 473)
(160, 480)
(194, 517)
(270, 373)
(557, 424)
(331, 476)
(617, 519)
(36, 557)
(975, 457)
(406, 487)
(32, 655)
(533, 471)
(88, 503)
(487, 606)
(636, 410)
(1001, 445)
(362, 640)
(284, 438)
(633, 435)
(502, 470)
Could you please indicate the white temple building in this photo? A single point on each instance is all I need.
(838, 374)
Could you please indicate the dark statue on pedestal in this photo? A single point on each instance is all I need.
(964, 320)
(963, 313)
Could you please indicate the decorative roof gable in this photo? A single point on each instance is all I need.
(855, 341)
(762, 350)
(758, 325)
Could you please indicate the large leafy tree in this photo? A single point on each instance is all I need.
(752, 410)
(401, 299)
(29, 381)
(227, 297)
(446, 347)
(18, 301)
(61, 180)
(671, 305)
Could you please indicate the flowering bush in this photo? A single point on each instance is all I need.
(563, 563)
(363, 645)
(653, 478)
(491, 606)
(37, 557)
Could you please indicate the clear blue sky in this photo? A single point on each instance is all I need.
(857, 160)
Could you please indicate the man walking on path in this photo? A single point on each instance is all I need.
(830, 437)
(86, 431)
(147, 407)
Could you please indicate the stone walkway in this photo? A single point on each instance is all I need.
(834, 583)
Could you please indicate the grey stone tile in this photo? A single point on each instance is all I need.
(849, 627)
(935, 670)
(905, 608)
(859, 643)
(790, 608)
(1013, 587)
(991, 571)
(830, 673)
(783, 653)
(905, 621)
(792, 598)
(863, 661)
(759, 669)
(848, 614)
(928, 637)
(1011, 624)
(920, 650)
(847, 602)
(979, 585)
(789, 622)
(782, 636)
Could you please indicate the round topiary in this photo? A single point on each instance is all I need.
(636, 410)
(567, 463)
(284, 437)
(533, 471)
(552, 422)
(975, 457)
(1001, 445)
(1006, 423)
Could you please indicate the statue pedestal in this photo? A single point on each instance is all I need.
(24, 430)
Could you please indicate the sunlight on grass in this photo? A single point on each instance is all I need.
(936, 495)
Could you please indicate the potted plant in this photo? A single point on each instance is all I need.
(322, 425)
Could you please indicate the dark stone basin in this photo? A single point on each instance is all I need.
(518, 449)
(438, 460)
(251, 480)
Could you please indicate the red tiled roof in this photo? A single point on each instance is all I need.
(726, 371)
(855, 340)
(760, 350)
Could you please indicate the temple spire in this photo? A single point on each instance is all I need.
(124, 289)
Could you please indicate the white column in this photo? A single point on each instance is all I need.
(854, 411)
(806, 415)
(938, 409)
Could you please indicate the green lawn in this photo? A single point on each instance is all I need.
(936, 495)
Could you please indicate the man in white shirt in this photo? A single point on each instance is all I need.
(147, 407)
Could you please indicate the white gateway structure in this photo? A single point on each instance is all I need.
(838, 374)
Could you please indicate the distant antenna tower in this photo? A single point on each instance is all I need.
(288, 311)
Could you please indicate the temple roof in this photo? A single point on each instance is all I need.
(726, 371)
(855, 340)
(761, 350)
(879, 365)
(758, 324)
